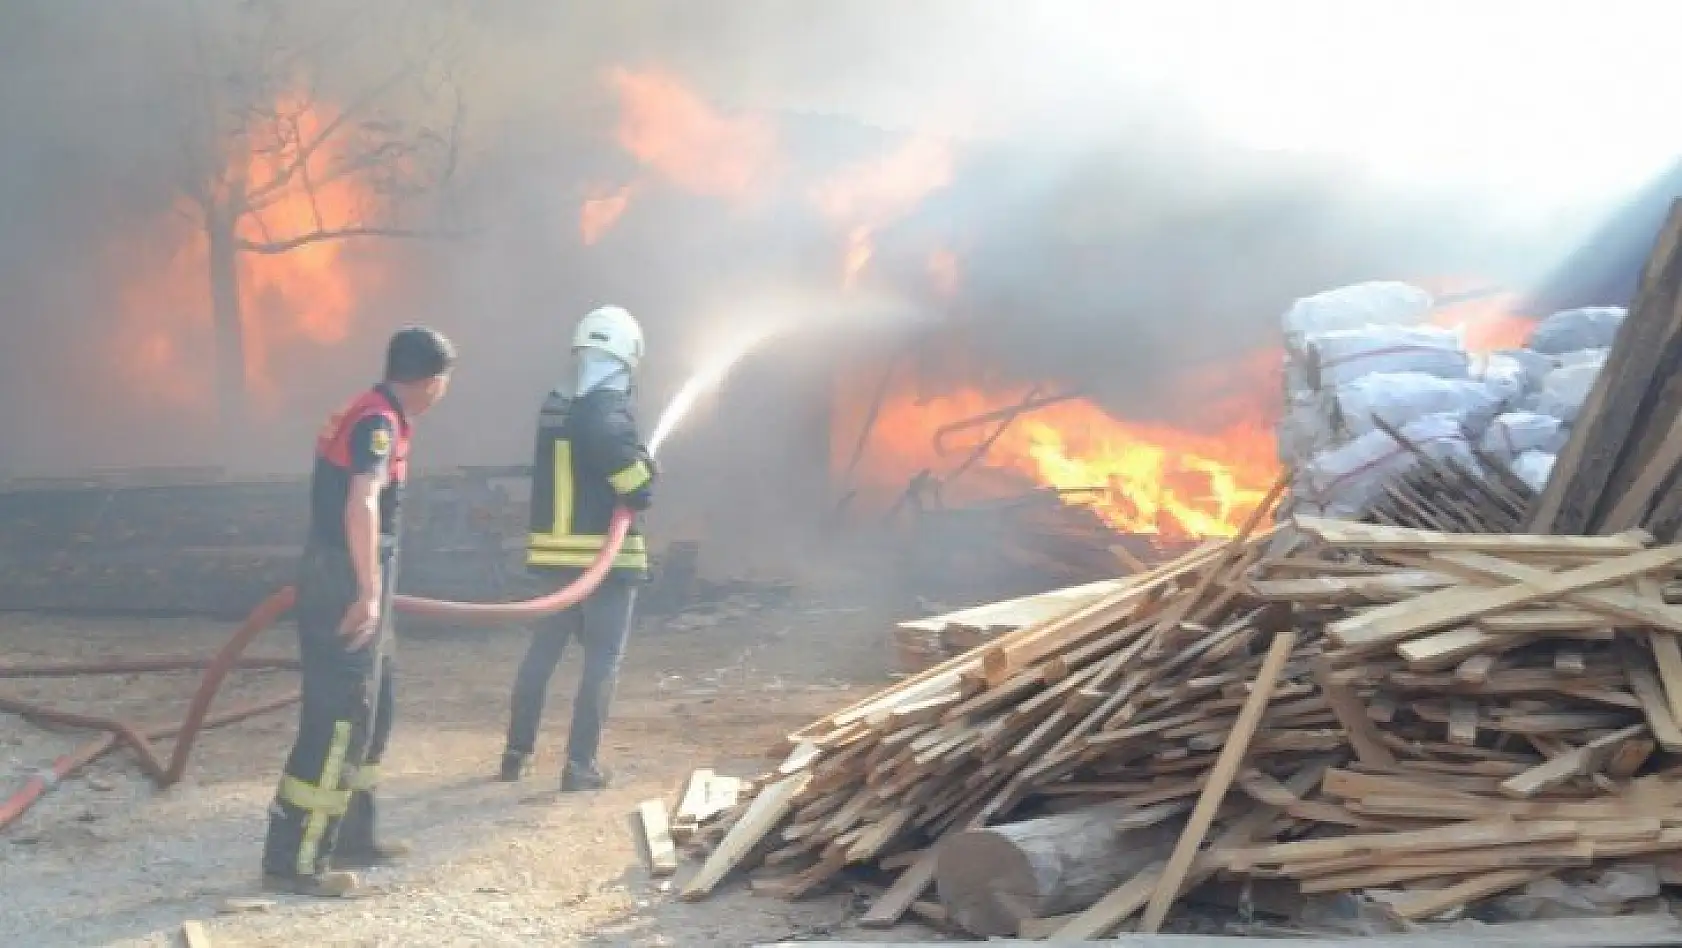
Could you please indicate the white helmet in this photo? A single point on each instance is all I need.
(613, 330)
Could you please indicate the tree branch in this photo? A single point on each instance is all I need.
(341, 233)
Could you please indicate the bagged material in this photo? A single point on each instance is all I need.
(1536, 366)
(1400, 397)
(1534, 468)
(1335, 358)
(1566, 388)
(1343, 482)
(1378, 303)
(1517, 432)
(1593, 327)
(1504, 375)
(1306, 428)
(1580, 357)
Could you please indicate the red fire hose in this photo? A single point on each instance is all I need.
(217, 669)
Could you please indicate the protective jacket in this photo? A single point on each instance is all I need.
(370, 435)
(588, 461)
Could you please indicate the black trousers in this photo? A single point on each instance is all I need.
(325, 798)
(601, 623)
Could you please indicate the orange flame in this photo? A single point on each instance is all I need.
(1142, 478)
(1490, 323)
(871, 195)
(301, 298)
(599, 214)
(673, 131)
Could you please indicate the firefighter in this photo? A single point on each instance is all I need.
(321, 823)
(589, 460)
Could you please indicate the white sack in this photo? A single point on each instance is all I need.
(1378, 303)
(1400, 397)
(1341, 356)
(1516, 432)
(1566, 389)
(1534, 467)
(1593, 327)
(1343, 482)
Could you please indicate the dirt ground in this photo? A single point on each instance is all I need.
(107, 860)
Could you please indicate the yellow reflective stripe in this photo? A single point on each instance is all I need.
(563, 486)
(578, 543)
(550, 558)
(632, 477)
(308, 796)
(331, 769)
(366, 777)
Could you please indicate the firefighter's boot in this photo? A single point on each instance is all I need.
(357, 846)
(579, 777)
(515, 765)
(332, 884)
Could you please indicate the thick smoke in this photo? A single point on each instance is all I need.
(1106, 233)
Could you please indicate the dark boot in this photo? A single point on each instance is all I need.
(577, 778)
(358, 846)
(514, 766)
(333, 884)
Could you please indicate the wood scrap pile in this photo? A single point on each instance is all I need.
(1431, 718)
(1441, 494)
(1621, 466)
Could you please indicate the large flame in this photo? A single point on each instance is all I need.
(677, 136)
(304, 298)
(1202, 479)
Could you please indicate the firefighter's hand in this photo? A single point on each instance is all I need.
(361, 622)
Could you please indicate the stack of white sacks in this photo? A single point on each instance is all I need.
(1369, 350)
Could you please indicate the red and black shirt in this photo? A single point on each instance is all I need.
(368, 436)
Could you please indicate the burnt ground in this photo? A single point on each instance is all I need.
(107, 860)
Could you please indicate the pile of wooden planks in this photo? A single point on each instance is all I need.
(1621, 466)
(1440, 717)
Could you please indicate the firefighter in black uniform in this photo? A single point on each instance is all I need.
(321, 823)
(588, 462)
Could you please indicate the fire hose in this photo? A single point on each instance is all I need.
(121, 733)
(277, 604)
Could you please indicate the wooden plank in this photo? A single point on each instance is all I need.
(1220, 780)
(1352, 716)
(691, 801)
(1606, 421)
(194, 934)
(768, 808)
(1387, 625)
(657, 837)
(1431, 903)
(886, 911)
(1668, 654)
(1368, 536)
(1646, 687)
(1618, 603)
(1577, 763)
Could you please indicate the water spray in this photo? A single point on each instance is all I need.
(705, 379)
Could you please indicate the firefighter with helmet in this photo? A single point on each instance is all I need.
(588, 461)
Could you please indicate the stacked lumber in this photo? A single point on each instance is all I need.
(1350, 707)
(921, 643)
(1441, 494)
(1620, 467)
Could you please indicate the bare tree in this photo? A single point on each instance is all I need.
(284, 99)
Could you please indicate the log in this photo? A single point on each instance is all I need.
(991, 879)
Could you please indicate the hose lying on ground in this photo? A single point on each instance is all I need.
(261, 618)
